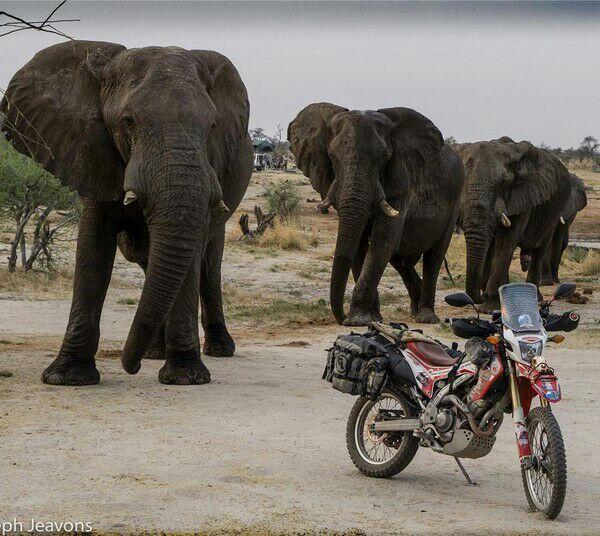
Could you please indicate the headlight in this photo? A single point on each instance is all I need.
(529, 350)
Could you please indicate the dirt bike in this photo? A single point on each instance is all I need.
(419, 392)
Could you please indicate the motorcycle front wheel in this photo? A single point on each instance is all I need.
(546, 482)
(379, 455)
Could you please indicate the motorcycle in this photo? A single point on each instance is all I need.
(454, 401)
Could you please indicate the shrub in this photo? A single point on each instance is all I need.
(283, 236)
(283, 198)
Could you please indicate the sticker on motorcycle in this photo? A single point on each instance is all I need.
(548, 387)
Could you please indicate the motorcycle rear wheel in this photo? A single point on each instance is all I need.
(546, 482)
(379, 455)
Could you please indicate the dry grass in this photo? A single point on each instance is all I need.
(36, 285)
(256, 308)
(284, 235)
(591, 264)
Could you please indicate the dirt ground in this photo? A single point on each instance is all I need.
(261, 449)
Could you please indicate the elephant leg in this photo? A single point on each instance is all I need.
(96, 248)
(357, 265)
(546, 278)
(412, 281)
(432, 262)
(504, 247)
(217, 341)
(557, 253)
(378, 255)
(183, 364)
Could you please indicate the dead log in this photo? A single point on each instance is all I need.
(263, 221)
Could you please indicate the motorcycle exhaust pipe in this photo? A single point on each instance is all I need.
(400, 425)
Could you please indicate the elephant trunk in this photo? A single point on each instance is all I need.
(177, 212)
(354, 212)
(477, 246)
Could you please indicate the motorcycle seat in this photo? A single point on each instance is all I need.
(431, 353)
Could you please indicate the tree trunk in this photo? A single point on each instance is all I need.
(23, 250)
(14, 244)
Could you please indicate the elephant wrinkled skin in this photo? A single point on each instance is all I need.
(395, 186)
(513, 196)
(155, 141)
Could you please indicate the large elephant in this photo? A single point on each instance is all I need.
(395, 186)
(155, 141)
(576, 202)
(513, 195)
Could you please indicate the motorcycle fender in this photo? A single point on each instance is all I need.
(547, 386)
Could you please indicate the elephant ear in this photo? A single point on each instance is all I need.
(309, 135)
(228, 93)
(535, 180)
(577, 197)
(416, 146)
(51, 112)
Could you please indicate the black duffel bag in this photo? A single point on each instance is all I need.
(357, 364)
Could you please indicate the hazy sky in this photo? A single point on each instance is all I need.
(478, 70)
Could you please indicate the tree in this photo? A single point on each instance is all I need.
(258, 133)
(450, 140)
(29, 194)
(588, 146)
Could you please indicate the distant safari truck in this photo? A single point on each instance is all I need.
(263, 154)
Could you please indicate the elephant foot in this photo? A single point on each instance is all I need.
(218, 342)
(489, 305)
(426, 316)
(357, 317)
(69, 372)
(184, 372)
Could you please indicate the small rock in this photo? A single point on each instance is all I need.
(588, 291)
(5, 373)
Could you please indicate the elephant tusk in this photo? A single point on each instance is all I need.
(223, 207)
(388, 209)
(129, 198)
(505, 220)
(562, 220)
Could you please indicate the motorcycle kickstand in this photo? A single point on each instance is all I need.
(464, 472)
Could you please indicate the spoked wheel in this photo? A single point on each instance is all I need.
(379, 455)
(546, 482)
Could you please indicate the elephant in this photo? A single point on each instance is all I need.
(513, 195)
(395, 186)
(576, 202)
(155, 141)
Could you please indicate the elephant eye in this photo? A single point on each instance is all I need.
(127, 122)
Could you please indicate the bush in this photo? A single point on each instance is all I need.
(283, 236)
(283, 198)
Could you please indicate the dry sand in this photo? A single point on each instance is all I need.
(261, 448)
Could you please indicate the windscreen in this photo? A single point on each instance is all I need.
(519, 304)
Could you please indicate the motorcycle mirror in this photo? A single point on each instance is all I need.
(564, 290)
(459, 299)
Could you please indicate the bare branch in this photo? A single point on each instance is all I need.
(18, 24)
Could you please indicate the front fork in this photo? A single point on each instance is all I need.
(521, 431)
